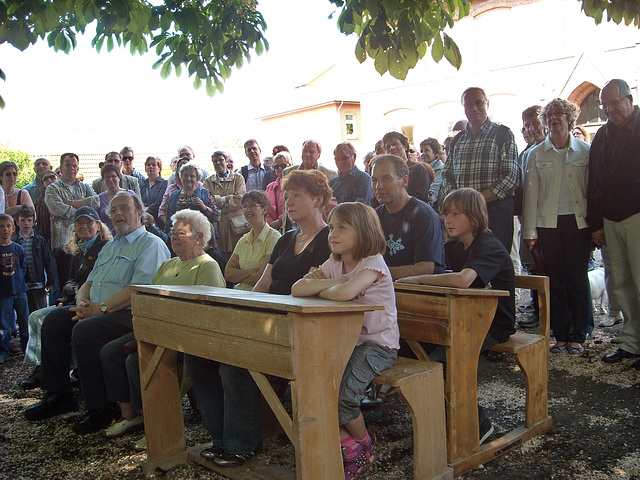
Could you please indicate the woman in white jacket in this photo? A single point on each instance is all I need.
(555, 207)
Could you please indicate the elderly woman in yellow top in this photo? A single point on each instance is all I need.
(190, 233)
(555, 206)
(252, 252)
(226, 188)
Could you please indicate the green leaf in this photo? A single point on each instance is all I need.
(381, 63)
(110, 44)
(166, 70)
(452, 52)
(437, 49)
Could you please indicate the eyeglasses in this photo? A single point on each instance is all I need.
(127, 159)
(280, 165)
(608, 105)
(412, 150)
(179, 234)
(255, 205)
(49, 177)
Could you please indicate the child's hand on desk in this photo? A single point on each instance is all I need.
(315, 274)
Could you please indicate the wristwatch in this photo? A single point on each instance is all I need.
(103, 308)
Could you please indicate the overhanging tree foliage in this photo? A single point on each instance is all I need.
(209, 38)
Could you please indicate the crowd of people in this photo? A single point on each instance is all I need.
(452, 214)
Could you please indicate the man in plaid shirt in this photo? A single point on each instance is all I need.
(484, 157)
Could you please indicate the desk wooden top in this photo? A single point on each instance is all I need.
(243, 298)
(468, 292)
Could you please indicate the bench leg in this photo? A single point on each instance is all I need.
(534, 366)
(424, 397)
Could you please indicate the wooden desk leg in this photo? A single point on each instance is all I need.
(470, 321)
(320, 356)
(161, 402)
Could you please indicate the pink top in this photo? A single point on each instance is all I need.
(277, 201)
(380, 326)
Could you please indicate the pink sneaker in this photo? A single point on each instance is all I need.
(358, 466)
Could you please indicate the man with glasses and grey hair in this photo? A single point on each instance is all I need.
(36, 187)
(613, 207)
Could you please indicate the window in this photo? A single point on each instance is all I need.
(590, 111)
(350, 126)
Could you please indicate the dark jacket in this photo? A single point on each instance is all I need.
(43, 261)
(77, 270)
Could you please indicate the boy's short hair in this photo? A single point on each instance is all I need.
(471, 203)
(6, 216)
(26, 211)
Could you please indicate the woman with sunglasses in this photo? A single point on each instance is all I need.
(13, 197)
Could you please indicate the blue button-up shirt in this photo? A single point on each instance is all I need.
(134, 258)
(354, 186)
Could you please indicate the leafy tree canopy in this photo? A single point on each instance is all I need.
(209, 38)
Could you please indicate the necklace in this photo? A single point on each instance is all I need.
(303, 238)
(9, 195)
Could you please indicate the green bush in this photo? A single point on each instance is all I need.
(23, 160)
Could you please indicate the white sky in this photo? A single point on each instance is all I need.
(88, 102)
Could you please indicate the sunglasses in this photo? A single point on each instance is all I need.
(50, 177)
(127, 159)
(280, 165)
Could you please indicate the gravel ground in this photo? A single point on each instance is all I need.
(595, 408)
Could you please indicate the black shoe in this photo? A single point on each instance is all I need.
(618, 355)
(212, 452)
(75, 378)
(494, 356)
(526, 308)
(51, 405)
(94, 421)
(236, 460)
(486, 429)
(32, 381)
(531, 321)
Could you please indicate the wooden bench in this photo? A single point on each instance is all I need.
(459, 319)
(421, 385)
(531, 352)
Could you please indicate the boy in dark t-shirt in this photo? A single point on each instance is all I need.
(13, 289)
(478, 260)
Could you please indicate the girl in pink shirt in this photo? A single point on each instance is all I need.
(356, 271)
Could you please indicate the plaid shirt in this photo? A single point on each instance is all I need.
(482, 161)
(27, 244)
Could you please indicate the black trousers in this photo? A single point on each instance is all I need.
(87, 337)
(565, 251)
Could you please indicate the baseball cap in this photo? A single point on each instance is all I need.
(86, 212)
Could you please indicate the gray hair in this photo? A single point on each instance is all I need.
(311, 141)
(565, 106)
(196, 220)
(284, 155)
(190, 166)
(474, 89)
(137, 202)
(623, 87)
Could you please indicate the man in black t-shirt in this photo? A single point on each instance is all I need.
(412, 229)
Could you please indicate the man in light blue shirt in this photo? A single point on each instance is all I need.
(255, 173)
(36, 187)
(102, 314)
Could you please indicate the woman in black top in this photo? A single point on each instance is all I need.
(306, 193)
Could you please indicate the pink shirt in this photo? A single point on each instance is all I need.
(277, 201)
(380, 326)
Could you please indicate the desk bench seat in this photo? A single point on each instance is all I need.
(421, 385)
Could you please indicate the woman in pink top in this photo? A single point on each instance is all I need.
(281, 161)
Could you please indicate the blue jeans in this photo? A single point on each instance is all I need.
(8, 305)
(229, 403)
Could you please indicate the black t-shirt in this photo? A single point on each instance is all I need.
(488, 257)
(414, 234)
(289, 268)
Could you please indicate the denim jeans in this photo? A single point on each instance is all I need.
(8, 305)
(229, 403)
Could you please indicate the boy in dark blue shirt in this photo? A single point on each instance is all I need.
(478, 260)
(13, 289)
(39, 260)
